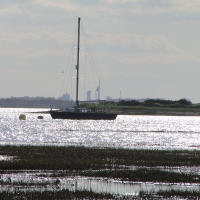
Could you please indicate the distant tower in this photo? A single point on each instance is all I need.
(66, 96)
(88, 95)
(97, 92)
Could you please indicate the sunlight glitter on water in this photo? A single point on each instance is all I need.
(126, 131)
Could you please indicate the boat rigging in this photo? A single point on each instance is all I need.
(77, 112)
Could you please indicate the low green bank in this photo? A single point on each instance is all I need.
(181, 107)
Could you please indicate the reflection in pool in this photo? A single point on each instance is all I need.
(37, 181)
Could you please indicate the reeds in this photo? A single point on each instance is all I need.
(170, 194)
(62, 194)
(112, 163)
(145, 175)
(82, 158)
(99, 162)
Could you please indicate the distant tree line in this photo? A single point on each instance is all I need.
(156, 103)
(18, 102)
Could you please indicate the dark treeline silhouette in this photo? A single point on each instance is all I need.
(20, 102)
(129, 103)
(25, 102)
(155, 102)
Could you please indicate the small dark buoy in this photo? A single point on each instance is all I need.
(22, 117)
(40, 117)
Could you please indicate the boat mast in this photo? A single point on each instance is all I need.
(77, 66)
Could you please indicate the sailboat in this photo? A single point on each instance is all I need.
(78, 113)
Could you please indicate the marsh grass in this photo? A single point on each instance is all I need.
(98, 162)
(85, 158)
(107, 162)
(26, 184)
(146, 175)
(140, 174)
(62, 194)
(175, 194)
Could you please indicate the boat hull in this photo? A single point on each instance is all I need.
(82, 116)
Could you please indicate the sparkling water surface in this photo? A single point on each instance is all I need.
(127, 131)
(131, 131)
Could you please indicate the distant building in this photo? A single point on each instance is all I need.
(108, 98)
(88, 95)
(65, 96)
(97, 92)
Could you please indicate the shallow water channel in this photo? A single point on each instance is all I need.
(40, 181)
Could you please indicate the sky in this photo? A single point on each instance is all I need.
(144, 48)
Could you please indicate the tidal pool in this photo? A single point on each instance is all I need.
(34, 181)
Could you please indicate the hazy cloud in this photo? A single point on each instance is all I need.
(142, 43)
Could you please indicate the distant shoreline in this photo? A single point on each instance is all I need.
(144, 112)
(161, 113)
(149, 107)
(150, 111)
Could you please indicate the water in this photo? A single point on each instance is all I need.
(35, 182)
(160, 132)
(151, 132)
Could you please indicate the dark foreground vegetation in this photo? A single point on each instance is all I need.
(121, 164)
(105, 162)
(80, 159)
(66, 194)
(63, 194)
(172, 194)
(145, 175)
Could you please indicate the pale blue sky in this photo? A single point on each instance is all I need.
(145, 48)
